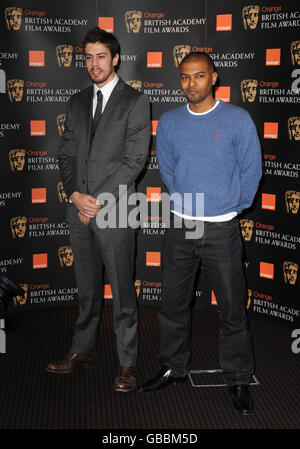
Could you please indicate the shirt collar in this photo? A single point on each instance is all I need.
(206, 112)
(107, 89)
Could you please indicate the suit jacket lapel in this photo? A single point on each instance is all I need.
(111, 104)
(86, 111)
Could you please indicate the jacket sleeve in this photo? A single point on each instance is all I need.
(66, 156)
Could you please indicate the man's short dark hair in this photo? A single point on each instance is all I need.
(199, 55)
(103, 37)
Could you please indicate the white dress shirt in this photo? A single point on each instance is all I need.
(106, 91)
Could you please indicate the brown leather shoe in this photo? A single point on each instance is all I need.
(71, 362)
(125, 380)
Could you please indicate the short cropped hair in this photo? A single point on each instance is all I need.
(199, 55)
(103, 37)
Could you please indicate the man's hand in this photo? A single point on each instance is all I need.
(86, 204)
(83, 218)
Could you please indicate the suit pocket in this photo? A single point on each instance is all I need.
(114, 132)
(113, 125)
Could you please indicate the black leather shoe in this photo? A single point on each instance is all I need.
(160, 381)
(241, 398)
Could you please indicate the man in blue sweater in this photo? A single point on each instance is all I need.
(211, 148)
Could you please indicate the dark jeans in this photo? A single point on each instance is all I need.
(219, 251)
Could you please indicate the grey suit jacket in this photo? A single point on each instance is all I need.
(120, 146)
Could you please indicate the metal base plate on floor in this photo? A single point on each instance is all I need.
(211, 378)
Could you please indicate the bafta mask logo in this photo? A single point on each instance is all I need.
(16, 159)
(136, 84)
(137, 285)
(65, 256)
(21, 299)
(249, 298)
(13, 18)
(292, 201)
(64, 55)
(18, 227)
(290, 272)
(179, 52)
(15, 90)
(294, 128)
(250, 16)
(60, 121)
(247, 228)
(248, 90)
(133, 20)
(62, 196)
(295, 52)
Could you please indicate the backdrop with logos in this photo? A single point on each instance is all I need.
(256, 50)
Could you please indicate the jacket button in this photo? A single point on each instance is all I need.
(83, 181)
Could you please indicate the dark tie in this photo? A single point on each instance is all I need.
(98, 113)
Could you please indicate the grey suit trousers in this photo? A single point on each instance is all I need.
(95, 249)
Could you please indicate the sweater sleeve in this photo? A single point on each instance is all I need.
(249, 160)
(166, 162)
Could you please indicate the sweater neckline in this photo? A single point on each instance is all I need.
(203, 114)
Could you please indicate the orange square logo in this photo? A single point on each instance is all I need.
(273, 56)
(37, 127)
(153, 259)
(266, 270)
(153, 194)
(36, 58)
(223, 93)
(106, 23)
(268, 201)
(271, 130)
(39, 261)
(107, 294)
(154, 59)
(39, 196)
(224, 22)
(154, 124)
(213, 299)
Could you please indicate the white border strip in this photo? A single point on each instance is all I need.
(213, 371)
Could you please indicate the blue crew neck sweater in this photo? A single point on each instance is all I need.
(216, 154)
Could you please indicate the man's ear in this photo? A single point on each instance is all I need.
(214, 78)
(116, 59)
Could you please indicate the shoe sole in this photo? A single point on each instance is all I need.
(122, 390)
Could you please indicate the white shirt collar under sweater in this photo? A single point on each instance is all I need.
(203, 113)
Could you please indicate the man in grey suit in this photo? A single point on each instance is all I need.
(105, 145)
